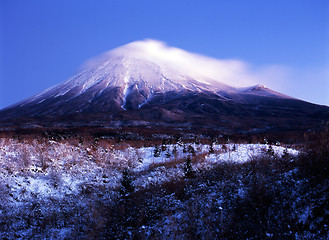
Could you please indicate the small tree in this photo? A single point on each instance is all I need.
(211, 148)
(184, 149)
(156, 151)
(188, 170)
(126, 182)
(265, 141)
(174, 151)
(270, 150)
(196, 141)
(168, 154)
(163, 146)
(234, 148)
(224, 148)
(191, 150)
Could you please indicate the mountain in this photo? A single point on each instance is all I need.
(147, 84)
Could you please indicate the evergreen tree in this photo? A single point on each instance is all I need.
(211, 149)
(126, 182)
(270, 150)
(168, 154)
(234, 148)
(184, 148)
(188, 170)
(157, 151)
(163, 146)
(191, 150)
(174, 151)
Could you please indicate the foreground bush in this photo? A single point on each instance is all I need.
(267, 197)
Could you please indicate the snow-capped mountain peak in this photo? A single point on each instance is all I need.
(157, 64)
(151, 65)
(147, 83)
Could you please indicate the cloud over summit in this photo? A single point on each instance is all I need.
(232, 72)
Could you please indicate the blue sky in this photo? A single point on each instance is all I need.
(43, 43)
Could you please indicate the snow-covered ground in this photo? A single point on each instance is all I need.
(57, 169)
(73, 189)
(79, 189)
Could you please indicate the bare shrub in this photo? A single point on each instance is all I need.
(25, 158)
(313, 162)
(4, 192)
(55, 178)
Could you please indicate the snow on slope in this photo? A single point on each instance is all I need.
(153, 67)
(53, 181)
(56, 169)
(261, 90)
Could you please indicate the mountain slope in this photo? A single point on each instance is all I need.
(148, 84)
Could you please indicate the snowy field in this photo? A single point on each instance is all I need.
(41, 181)
(56, 169)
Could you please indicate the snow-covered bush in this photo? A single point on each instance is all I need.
(79, 188)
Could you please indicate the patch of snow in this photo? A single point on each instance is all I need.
(125, 90)
(55, 169)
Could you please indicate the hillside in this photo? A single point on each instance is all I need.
(147, 84)
(102, 189)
